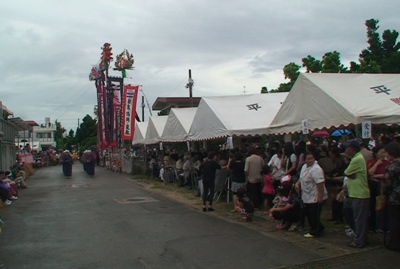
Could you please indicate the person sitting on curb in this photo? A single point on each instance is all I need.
(4, 190)
(244, 205)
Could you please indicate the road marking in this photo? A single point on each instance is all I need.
(77, 185)
(136, 200)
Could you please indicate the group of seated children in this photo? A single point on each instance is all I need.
(282, 204)
(9, 184)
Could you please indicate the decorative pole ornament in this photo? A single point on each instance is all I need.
(106, 57)
(124, 62)
(95, 73)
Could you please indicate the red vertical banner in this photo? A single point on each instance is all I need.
(128, 111)
(102, 123)
(105, 115)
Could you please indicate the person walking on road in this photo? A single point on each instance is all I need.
(67, 161)
(89, 162)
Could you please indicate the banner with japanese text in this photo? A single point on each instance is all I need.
(101, 134)
(128, 111)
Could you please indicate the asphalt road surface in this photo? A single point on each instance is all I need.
(110, 222)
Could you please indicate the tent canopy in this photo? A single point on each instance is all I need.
(140, 132)
(178, 124)
(334, 100)
(155, 129)
(240, 115)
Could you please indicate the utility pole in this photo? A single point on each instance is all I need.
(189, 86)
(143, 108)
(78, 123)
(244, 89)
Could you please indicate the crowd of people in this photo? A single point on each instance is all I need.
(288, 182)
(11, 183)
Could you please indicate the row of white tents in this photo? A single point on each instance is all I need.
(324, 100)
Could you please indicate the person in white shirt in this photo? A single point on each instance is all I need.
(313, 193)
(275, 164)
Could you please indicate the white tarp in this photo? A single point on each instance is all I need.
(333, 100)
(34, 145)
(178, 124)
(155, 129)
(246, 115)
(140, 132)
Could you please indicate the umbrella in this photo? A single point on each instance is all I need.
(340, 132)
(320, 134)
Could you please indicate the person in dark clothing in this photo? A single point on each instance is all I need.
(67, 161)
(238, 177)
(244, 205)
(89, 162)
(210, 166)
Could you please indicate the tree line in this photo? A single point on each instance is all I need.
(381, 56)
(84, 137)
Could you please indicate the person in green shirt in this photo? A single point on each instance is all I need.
(357, 186)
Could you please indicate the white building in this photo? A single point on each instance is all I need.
(41, 137)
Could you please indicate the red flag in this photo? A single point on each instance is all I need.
(128, 117)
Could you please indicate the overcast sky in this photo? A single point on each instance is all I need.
(48, 47)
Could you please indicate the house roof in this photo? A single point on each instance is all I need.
(32, 123)
(20, 124)
(163, 102)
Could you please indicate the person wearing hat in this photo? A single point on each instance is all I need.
(358, 191)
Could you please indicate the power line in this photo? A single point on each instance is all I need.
(82, 93)
(58, 95)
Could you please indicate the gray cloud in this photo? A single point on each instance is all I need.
(48, 48)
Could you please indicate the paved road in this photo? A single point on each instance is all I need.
(88, 223)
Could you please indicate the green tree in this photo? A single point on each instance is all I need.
(331, 63)
(264, 89)
(311, 64)
(86, 133)
(59, 135)
(291, 71)
(382, 55)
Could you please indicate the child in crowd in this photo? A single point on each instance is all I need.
(245, 206)
(268, 190)
(286, 206)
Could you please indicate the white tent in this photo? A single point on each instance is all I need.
(140, 132)
(155, 129)
(178, 124)
(333, 100)
(248, 115)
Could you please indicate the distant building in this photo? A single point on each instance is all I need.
(40, 137)
(7, 134)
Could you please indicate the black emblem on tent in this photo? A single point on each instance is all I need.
(381, 89)
(253, 106)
